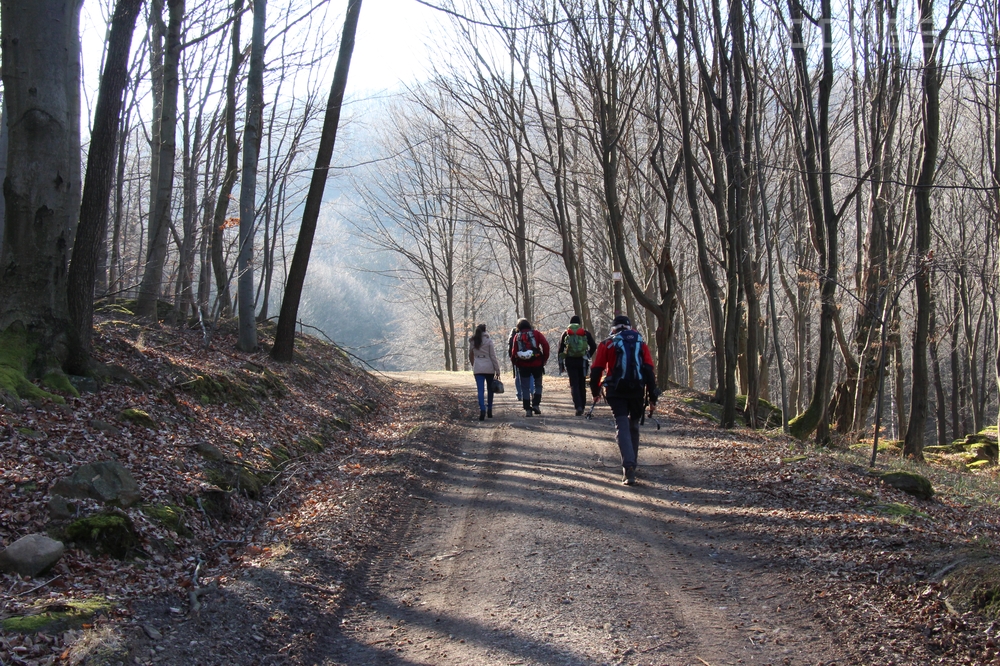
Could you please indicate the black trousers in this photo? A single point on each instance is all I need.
(576, 370)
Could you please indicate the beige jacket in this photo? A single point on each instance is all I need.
(484, 360)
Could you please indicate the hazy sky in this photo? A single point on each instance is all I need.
(390, 44)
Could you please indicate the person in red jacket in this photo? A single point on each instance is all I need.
(529, 351)
(630, 380)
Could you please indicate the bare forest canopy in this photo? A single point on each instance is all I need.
(795, 202)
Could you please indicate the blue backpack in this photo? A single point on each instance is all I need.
(626, 376)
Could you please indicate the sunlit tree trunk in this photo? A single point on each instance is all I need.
(92, 230)
(284, 339)
(159, 227)
(248, 182)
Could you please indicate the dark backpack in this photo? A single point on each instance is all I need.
(626, 376)
(576, 342)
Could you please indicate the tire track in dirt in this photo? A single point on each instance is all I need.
(530, 552)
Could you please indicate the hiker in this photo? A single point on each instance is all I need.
(630, 380)
(529, 351)
(576, 348)
(517, 382)
(485, 368)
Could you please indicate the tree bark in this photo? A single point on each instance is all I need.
(90, 235)
(913, 446)
(248, 183)
(156, 254)
(284, 338)
(41, 77)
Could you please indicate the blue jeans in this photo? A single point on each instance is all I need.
(484, 382)
(517, 384)
(529, 382)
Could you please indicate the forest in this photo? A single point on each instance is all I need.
(797, 202)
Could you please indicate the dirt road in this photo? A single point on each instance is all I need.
(531, 552)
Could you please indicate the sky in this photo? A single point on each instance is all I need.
(390, 45)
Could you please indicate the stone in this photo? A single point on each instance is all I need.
(908, 482)
(84, 384)
(60, 509)
(107, 481)
(209, 451)
(105, 427)
(31, 555)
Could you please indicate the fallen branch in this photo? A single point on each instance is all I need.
(195, 595)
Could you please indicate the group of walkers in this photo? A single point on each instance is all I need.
(621, 369)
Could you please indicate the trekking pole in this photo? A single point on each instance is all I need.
(590, 412)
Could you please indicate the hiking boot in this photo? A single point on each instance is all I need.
(536, 400)
(628, 476)
(579, 412)
(489, 413)
(482, 415)
(527, 408)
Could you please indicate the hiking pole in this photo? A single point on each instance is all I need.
(590, 412)
(646, 406)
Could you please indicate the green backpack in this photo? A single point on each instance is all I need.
(576, 341)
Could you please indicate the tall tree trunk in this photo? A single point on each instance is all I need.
(41, 78)
(713, 291)
(225, 304)
(819, 185)
(159, 217)
(913, 446)
(90, 235)
(284, 338)
(248, 183)
(117, 238)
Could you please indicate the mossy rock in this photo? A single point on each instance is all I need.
(974, 586)
(53, 618)
(168, 515)
(58, 381)
(310, 444)
(244, 387)
(138, 417)
(278, 456)
(984, 451)
(768, 413)
(909, 482)
(106, 532)
(17, 354)
(234, 477)
(118, 308)
(704, 408)
(214, 502)
(337, 423)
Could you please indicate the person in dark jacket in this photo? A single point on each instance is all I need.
(517, 381)
(625, 395)
(576, 348)
(529, 352)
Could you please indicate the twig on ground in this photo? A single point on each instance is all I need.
(37, 587)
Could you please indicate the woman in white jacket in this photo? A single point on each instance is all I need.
(485, 368)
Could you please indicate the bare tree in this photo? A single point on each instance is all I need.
(97, 186)
(284, 338)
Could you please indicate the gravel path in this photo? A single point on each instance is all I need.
(531, 552)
